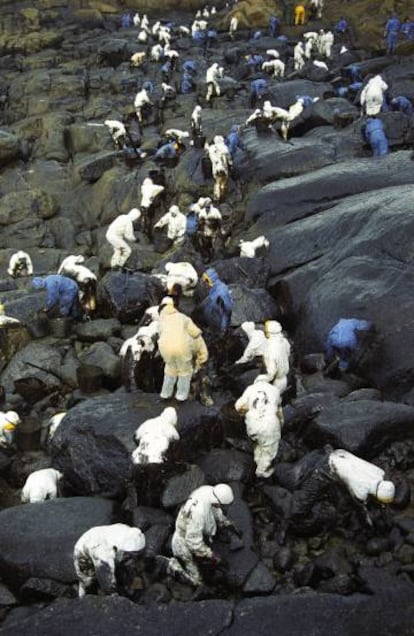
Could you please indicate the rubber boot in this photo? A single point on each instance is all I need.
(168, 385)
(183, 388)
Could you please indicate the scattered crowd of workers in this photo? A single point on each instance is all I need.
(185, 342)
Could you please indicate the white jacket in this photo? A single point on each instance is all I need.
(372, 95)
(72, 266)
(276, 356)
(256, 344)
(248, 248)
(182, 274)
(97, 548)
(154, 436)
(197, 521)
(123, 226)
(360, 477)
(259, 403)
(149, 191)
(116, 128)
(213, 73)
(141, 98)
(176, 222)
(41, 485)
(20, 258)
(143, 340)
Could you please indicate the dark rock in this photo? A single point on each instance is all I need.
(179, 487)
(376, 545)
(127, 296)
(252, 304)
(221, 465)
(35, 360)
(7, 598)
(144, 517)
(252, 272)
(363, 394)
(363, 427)
(283, 559)
(155, 539)
(95, 441)
(99, 329)
(260, 581)
(91, 168)
(46, 551)
(106, 614)
(37, 589)
(317, 383)
(101, 355)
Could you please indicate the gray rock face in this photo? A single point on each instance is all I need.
(94, 442)
(363, 427)
(106, 615)
(38, 539)
(126, 297)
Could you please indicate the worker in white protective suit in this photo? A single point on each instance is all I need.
(154, 437)
(234, 23)
(138, 354)
(20, 264)
(41, 485)
(372, 96)
(213, 74)
(157, 52)
(256, 345)
(275, 113)
(310, 38)
(327, 44)
(149, 192)
(175, 134)
(221, 163)
(276, 358)
(73, 267)
(100, 549)
(182, 348)
(137, 59)
(248, 248)
(182, 274)
(259, 404)
(275, 68)
(196, 121)
(118, 233)
(9, 421)
(210, 222)
(117, 130)
(7, 321)
(176, 223)
(195, 528)
(141, 101)
(298, 56)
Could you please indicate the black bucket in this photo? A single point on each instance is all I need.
(199, 142)
(39, 326)
(31, 389)
(60, 327)
(28, 435)
(89, 377)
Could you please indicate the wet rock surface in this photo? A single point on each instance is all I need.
(339, 225)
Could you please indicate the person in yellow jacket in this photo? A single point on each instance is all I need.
(182, 348)
(8, 424)
(299, 14)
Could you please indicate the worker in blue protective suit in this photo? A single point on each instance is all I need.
(373, 133)
(166, 70)
(258, 89)
(218, 305)
(211, 38)
(149, 86)
(199, 36)
(341, 26)
(402, 104)
(233, 141)
(62, 295)
(189, 66)
(392, 28)
(344, 341)
(354, 71)
(349, 91)
(166, 151)
(187, 84)
(254, 61)
(191, 224)
(407, 29)
(273, 25)
(126, 21)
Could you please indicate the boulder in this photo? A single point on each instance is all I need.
(9, 147)
(126, 296)
(252, 304)
(363, 427)
(104, 614)
(94, 442)
(35, 360)
(99, 329)
(222, 465)
(46, 551)
(179, 487)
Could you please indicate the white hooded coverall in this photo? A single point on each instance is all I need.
(197, 521)
(95, 553)
(20, 264)
(41, 485)
(176, 223)
(259, 404)
(154, 436)
(8, 423)
(256, 344)
(372, 95)
(118, 233)
(276, 355)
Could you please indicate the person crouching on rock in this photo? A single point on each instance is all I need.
(62, 296)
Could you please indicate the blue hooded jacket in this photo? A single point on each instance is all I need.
(62, 290)
(342, 339)
(219, 304)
